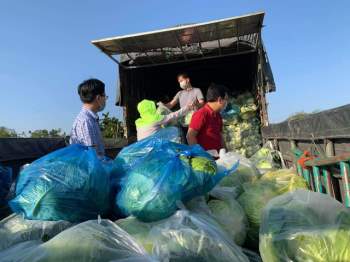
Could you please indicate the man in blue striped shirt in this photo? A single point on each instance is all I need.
(86, 130)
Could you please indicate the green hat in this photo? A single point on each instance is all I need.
(148, 113)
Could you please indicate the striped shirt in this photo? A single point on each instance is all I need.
(86, 131)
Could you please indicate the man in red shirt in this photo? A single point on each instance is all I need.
(205, 128)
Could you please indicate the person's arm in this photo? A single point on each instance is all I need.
(200, 98)
(90, 136)
(197, 123)
(173, 102)
(192, 137)
(179, 113)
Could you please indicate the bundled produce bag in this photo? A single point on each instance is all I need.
(89, 241)
(185, 236)
(246, 171)
(228, 213)
(305, 226)
(256, 195)
(286, 180)
(15, 229)
(161, 174)
(266, 159)
(129, 156)
(69, 184)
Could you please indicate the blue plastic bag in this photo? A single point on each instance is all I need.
(69, 184)
(136, 152)
(5, 183)
(158, 175)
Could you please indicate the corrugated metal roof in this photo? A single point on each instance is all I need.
(175, 41)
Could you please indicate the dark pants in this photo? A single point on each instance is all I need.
(184, 130)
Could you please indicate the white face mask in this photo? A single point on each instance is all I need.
(183, 84)
(102, 106)
(224, 108)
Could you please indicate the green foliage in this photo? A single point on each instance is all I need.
(6, 132)
(111, 127)
(44, 133)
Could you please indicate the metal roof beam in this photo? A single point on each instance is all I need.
(179, 44)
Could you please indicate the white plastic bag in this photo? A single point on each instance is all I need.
(15, 229)
(89, 241)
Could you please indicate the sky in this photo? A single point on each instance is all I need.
(45, 52)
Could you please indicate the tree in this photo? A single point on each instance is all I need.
(111, 127)
(43, 133)
(6, 132)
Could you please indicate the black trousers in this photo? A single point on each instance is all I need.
(184, 130)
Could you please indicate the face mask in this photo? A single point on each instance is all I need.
(102, 106)
(183, 84)
(224, 108)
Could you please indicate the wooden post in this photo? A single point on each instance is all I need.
(327, 180)
(329, 148)
(344, 171)
(317, 179)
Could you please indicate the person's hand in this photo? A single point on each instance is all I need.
(194, 105)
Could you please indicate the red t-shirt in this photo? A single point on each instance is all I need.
(208, 124)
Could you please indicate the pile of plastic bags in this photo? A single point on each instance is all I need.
(305, 226)
(178, 204)
(242, 129)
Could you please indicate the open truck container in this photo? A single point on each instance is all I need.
(228, 51)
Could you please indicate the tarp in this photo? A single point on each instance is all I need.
(28, 148)
(332, 123)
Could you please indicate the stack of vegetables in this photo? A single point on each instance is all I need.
(257, 194)
(305, 226)
(242, 130)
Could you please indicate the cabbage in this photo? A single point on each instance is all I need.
(162, 176)
(264, 159)
(254, 198)
(257, 194)
(236, 179)
(231, 217)
(70, 184)
(187, 236)
(242, 132)
(305, 226)
(138, 230)
(286, 180)
(201, 164)
(89, 241)
(15, 229)
(246, 172)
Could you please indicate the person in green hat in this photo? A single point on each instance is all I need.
(151, 121)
